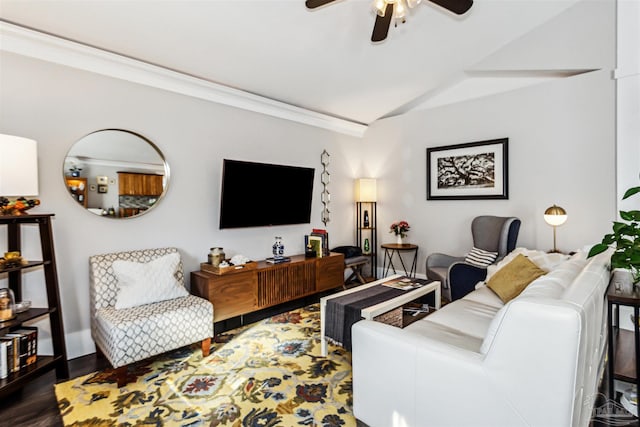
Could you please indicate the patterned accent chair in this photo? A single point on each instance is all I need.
(128, 335)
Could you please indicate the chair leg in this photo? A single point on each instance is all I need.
(206, 347)
(121, 376)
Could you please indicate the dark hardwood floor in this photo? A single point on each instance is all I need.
(35, 405)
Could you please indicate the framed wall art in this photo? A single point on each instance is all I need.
(475, 170)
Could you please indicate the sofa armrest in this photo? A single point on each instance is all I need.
(398, 375)
(463, 278)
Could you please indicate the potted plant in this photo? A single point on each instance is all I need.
(625, 239)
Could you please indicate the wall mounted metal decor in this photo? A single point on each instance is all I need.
(324, 179)
(475, 170)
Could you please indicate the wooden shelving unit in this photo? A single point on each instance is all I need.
(369, 232)
(58, 360)
(625, 357)
(624, 346)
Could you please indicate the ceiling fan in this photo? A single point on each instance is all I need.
(387, 9)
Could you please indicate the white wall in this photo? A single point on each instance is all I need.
(628, 113)
(562, 150)
(561, 145)
(56, 106)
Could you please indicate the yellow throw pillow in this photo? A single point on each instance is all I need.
(513, 278)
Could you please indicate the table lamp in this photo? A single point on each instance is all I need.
(18, 174)
(555, 216)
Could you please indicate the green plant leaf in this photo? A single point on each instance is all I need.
(633, 216)
(630, 192)
(619, 260)
(597, 249)
(617, 226)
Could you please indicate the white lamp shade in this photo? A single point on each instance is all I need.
(555, 216)
(366, 190)
(18, 166)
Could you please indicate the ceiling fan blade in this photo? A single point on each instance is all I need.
(381, 26)
(456, 6)
(312, 4)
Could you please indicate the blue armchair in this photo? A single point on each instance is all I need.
(490, 233)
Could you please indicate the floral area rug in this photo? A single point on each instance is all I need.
(266, 374)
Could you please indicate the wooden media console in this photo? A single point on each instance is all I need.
(240, 292)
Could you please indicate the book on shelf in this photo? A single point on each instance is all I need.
(29, 335)
(4, 367)
(13, 352)
(315, 243)
(323, 235)
(20, 348)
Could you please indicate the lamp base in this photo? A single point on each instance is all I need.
(19, 206)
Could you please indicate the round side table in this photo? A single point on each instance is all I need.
(391, 249)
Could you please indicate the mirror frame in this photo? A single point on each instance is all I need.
(142, 138)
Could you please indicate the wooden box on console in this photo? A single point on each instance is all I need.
(269, 284)
(251, 265)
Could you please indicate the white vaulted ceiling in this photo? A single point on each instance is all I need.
(319, 64)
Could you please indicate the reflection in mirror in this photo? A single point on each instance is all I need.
(116, 173)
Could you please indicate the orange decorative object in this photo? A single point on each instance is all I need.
(16, 207)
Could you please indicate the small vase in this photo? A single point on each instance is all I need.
(399, 239)
(278, 248)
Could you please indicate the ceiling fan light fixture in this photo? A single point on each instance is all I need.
(413, 3)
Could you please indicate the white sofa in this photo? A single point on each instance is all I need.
(535, 361)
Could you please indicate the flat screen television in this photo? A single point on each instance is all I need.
(263, 194)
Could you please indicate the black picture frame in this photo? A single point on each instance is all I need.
(103, 189)
(470, 171)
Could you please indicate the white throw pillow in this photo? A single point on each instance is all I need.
(480, 257)
(146, 283)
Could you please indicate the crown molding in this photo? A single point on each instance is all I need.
(26, 42)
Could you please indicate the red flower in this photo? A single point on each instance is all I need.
(400, 228)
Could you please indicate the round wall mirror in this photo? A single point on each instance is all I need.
(115, 173)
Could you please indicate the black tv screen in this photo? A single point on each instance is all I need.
(262, 194)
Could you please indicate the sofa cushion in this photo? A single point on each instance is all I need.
(470, 318)
(146, 283)
(546, 261)
(445, 334)
(514, 277)
(554, 284)
(486, 296)
(480, 257)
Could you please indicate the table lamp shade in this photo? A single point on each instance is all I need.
(555, 216)
(18, 166)
(366, 190)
